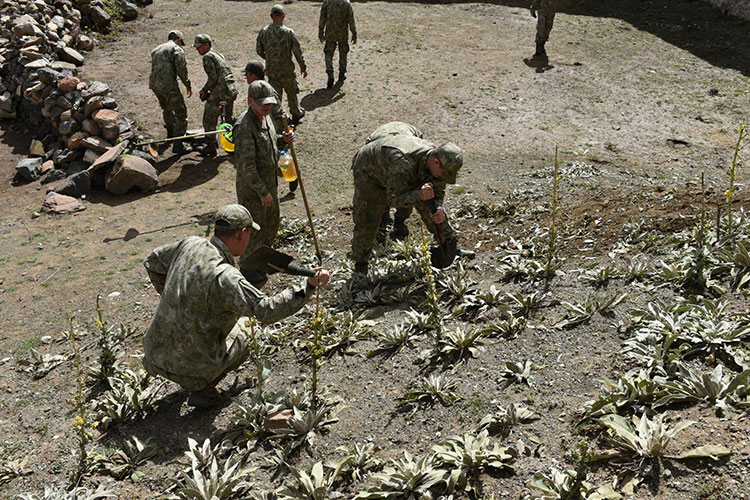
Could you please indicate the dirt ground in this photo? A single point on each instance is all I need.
(639, 97)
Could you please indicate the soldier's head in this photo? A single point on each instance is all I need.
(261, 97)
(444, 162)
(277, 13)
(233, 225)
(254, 70)
(176, 36)
(202, 43)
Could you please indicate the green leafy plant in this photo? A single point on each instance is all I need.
(431, 390)
(517, 372)
(362, 460)
(501, 422)
(726, 392)
(569, 485)
(82, 425)
(508, 327)
(599, 276)
(392, 340)
(577, 314)
(110, 343)
(408, 478)
(318, 484)
(12, 469)
(124, 461)
(131, 396)
(635, 389)
(304, 426)
(455, 346)
(77, 493)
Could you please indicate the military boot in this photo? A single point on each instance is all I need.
(205, 398)
(329, 85)
(209, 149)
(293, 186)
(342, 76)
(359, 279)
(540, 52)
(181, 148)
(399, 231)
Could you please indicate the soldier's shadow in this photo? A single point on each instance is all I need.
(321, 98)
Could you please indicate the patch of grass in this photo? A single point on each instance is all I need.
(27, 260)
(26, 345)
(458, 190)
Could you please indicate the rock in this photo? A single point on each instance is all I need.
(78, 184)
(6, 102)
(100, 17)
(31, 53)
(68, 84)
(59, 203)
(143, 155)
(42, 62)
(68, 127)
(92, 105)
(65, 115)
(76, 140)
(85, 43)
(64, 67)
(96, 144)
(71, 55)
(109, 156)
(129, 172)
(29, 168)
(47, 166)
(109, 103)
(90, 156)
(90, 126)
(53, 176)
(124, 124)
(58, 21)
(94, 89)
(26, 25)
(36, 148)
(66, 156)
(106, 118)
(48, 76)
(64, 102)
(76, 167)
(111, 132)
(278, 420)
(129, 11)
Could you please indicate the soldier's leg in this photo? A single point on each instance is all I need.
(343, 53)
(543, 27)
(266, 217)
(328, 49)
(290, 85)
(167, 113)
(549, 20)
(180, 114)
(400, 230)
(210, 119)
(278, 87)
(368, 211)
(237, 351)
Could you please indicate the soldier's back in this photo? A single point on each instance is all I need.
(277, 41)
(163, 76)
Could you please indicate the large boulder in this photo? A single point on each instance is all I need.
(59, 203)
(101, 19)
(106, 118)
(78, 184)
(29, 168)
(109, 156)
(129, 11)
(129, 172)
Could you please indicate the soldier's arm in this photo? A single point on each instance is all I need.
(157, 264)
(259, 48)
(209, 66)
(399, 192)
(352, 26)
(244, 157)
(439, 190)
(535, 4)
(297, 51)
(180, 66)
(322, 21)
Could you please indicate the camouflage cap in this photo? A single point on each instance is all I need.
(233, 217)
(277, 9)
(201, 39)
(174, 35)
(256, 68)
(451, 159)
(261, 92)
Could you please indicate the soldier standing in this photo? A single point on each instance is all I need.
(256, 155)
(218, 87)
(195, 338)
(544, 11)
(336, 19)
(276, 44)
(399, 171)
(167, 64)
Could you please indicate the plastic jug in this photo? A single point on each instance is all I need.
(286, 165)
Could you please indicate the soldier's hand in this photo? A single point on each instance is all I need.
(354, 41)
(321, 277)
(266, 200)
(426, 192)
(203, 94)
(304, 74)
(533, 12)
(322, 40)
(439, 216)
(287, 136)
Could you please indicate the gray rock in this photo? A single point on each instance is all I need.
(109, 103)
(129, 172)
(109, 156)
(36, 148)
(66, 156)
(85, 43)
(124, 124)
(75, 167)
(53, 176)
(95, 143)
(100, 17)
(143, 155)
(26, 25)
(71, 55)
(68, 127)
(78, 184)
(129, 11)
(64, 102)
(92, 105)
(94, 89)
(48, 76)
(58, 21)
(42, 62)
(59, 203)
(29, 168)
(63, 66)
(111, 132)
(6, 102)
(90, 156)
(91, 127)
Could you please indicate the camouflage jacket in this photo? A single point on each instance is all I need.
(202, 296)
(397, 164)
(167, 64)
(394, 128)
(544, 5)
(220, 78)
(335, 17)
(276, 43)
(256, 153)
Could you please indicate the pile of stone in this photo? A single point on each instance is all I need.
(79, 136)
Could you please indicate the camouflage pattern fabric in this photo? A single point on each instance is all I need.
(545, 17)
(329, 48)
(221, 87)
(277, 112)
(336, 19)
(277, 44)
(256, 153)
(194, 335)
(389, 173)
(167, 64)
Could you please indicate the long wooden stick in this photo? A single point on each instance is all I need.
(318, 253)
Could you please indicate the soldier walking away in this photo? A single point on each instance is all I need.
(167, 65)
(544, 12)
(277, 44)
(195, 338)
(254, 70)
(400, 171)
(218, 87)
(256, 156)
(336, 20)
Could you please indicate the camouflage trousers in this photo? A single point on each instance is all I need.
(235, 353)
(329, 49)
(288, 84)
(544, 20)
(370, 205)
(174, 112)
(268, 218)
(211, 114)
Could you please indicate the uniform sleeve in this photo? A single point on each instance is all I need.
(297, 51)
(399, 180)
(439, 189)
(535, 4)
(245, 158)
(233, 292)
(212, 72)
(322, 20)
(180, 67)
(352, 26)
(157, 264)
(259, 48)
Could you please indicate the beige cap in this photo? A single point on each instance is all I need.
(233, 217)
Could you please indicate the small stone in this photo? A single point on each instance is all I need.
(109, 103)
(47, 166)
(29, 168)
(129, 172)
(90, 156)
(124, 124)
(76, 140)
(90, 127)
(36, 148)
(59, 203)
(111, 132)
(78, 184)
(68, 84)
(93, 104)
(114, 294)
(129, 11)
(96, 143)
(85, 43)
(106, 118)
(71, 55)
(278, 420)
(53, 176)
(109, 156)
(68, 127)
(95, 89)
(48, 76)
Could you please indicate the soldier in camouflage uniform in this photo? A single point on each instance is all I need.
(399, 171)
(256, 154)
(219, 87)
(544, 11)
(400, 231)
(276, 44)
(167, 64)
(195, 337)
(336, 19)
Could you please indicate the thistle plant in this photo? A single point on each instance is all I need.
(124, 461)
(599, 276)
(431, 390)
(316, 350)
(517, 372)
(577, 314)
(132, 395)
(392, 340)
(432, 302)
(304, 426)
(77, 493)
(636, 389)
(259, 354)
(82, 425)
(523, 305)
(456, 346)
(110, 343)
(318, 484)
(12, 469)
(362, 460)
(502, 422)
(726, 392)
(569, 485)
(508, 328)
(408, 478)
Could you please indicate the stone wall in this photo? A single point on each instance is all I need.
(739, 8)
